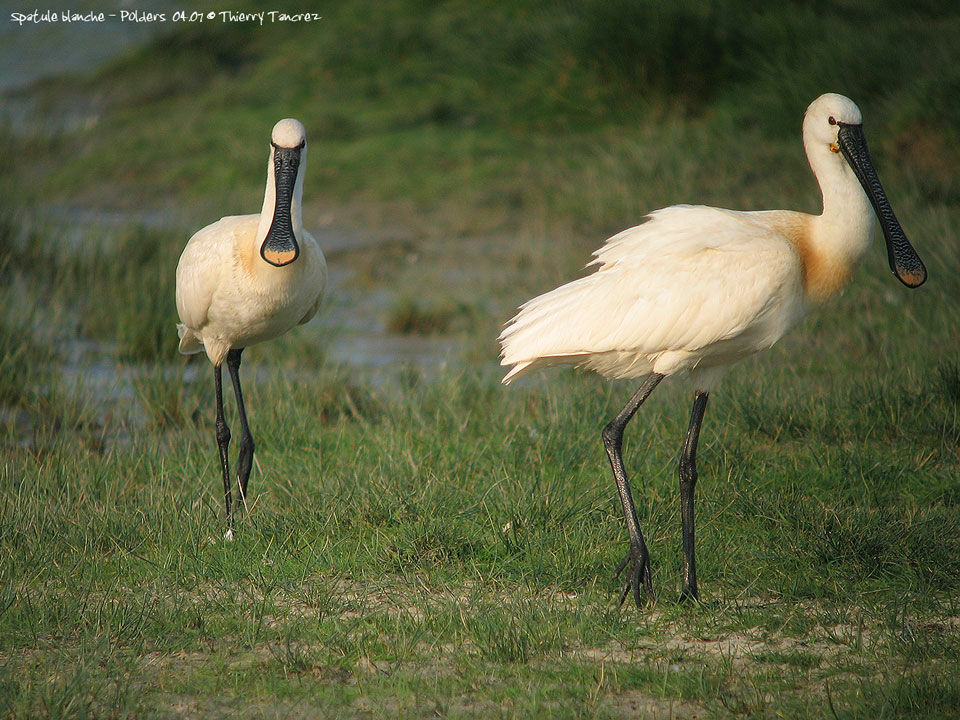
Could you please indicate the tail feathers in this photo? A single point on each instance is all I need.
(548, 330)
(580, 324)
(526, 366)
(515, 370)
(190, 343)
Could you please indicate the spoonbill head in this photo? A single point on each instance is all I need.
(837, 149)
(695, 289)
(248, 278)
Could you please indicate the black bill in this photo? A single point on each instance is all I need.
(903, 259)
(280, 246)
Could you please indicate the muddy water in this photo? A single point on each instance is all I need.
(351, 327)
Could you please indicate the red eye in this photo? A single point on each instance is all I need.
(832, 120)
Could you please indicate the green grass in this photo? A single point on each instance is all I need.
(408, 316)
(434, 544)
(449, 550)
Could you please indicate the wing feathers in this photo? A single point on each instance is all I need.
(686, 281)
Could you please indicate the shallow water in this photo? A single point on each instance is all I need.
(351, 327)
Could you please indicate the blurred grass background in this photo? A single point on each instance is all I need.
(492, 108)
(430, 543)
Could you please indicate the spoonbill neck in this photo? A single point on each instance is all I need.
(844, 230)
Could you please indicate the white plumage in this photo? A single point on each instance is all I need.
(249, 278)
(658, 303)
(695, 289)
(228, 296)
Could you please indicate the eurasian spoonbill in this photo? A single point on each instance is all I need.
(249, 278)
(695, 289)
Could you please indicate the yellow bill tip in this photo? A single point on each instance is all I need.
(912, 278)
(279, 257)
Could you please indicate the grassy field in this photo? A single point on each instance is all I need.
(427, 543)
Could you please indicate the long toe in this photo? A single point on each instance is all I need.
(639, 577)
(621, 566)
(647, 578)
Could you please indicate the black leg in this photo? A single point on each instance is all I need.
(223, 444)
(245, 459)
(637, 558)
(688, 480)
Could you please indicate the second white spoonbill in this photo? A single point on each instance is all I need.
(249, 278)
(695, 289)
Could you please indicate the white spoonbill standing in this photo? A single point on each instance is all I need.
(249, 278)
(695, 289)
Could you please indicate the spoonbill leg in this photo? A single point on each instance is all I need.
(223, 444)
(688, 480)
(245, 458)
(638, 558)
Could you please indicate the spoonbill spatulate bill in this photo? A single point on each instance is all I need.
(249, 278)
(695, 289)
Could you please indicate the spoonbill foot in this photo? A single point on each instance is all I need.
(637, 564)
